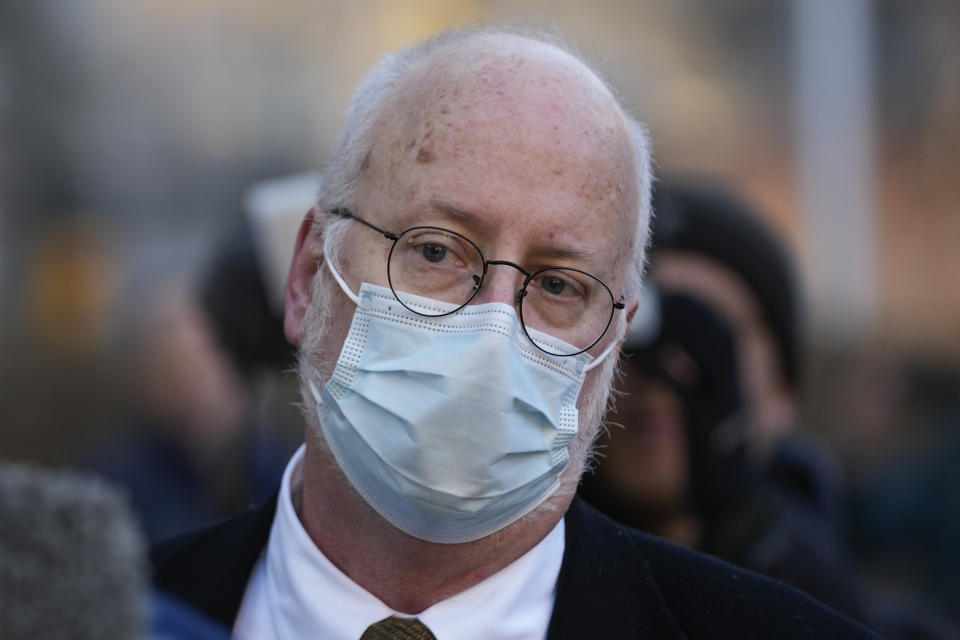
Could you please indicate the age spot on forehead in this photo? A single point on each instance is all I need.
(424, 155)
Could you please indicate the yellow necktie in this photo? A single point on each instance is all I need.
(394, 628)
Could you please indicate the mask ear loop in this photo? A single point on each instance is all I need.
(340, 281)
(316, 394)
(606, 352)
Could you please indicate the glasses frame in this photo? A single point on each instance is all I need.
(345, 213)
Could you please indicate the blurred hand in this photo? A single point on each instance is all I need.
(694, 354)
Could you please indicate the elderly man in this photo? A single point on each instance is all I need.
(458, 297)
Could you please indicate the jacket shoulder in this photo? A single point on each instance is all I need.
(680, 592)
(209, 568)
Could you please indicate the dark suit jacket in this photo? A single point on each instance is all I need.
(615, 582)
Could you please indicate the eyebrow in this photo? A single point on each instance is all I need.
(456, 213)
(472, 219)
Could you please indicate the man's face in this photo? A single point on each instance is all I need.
(525, 155)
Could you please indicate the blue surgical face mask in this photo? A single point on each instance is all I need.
(450, 427)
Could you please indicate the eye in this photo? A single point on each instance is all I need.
(564, 285)
(433, 252)
(432, 248)
(553, 284)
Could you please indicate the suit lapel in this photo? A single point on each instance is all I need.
(605, 588)
(210, 569)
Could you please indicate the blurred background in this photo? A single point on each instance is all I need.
(131, 134)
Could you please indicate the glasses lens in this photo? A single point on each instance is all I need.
(435, 263)
(567, 304)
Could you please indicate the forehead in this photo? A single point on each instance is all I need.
(527, 139)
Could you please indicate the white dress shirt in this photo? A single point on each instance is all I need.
(295, 592)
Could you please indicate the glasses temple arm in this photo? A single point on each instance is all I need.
(343, 212)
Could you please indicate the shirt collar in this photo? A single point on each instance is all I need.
(310, 597)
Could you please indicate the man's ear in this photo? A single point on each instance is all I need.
(306, 259)
(630, 310)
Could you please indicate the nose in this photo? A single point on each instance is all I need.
(500, 285)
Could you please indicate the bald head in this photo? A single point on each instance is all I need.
(504, 78)
(494, 96)
(501, 96)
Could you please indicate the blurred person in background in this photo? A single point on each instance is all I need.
(711, 392)
(708, 454)
(193, 449)
(903, 507)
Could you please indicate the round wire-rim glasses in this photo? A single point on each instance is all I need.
(529, 277)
